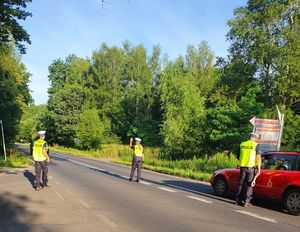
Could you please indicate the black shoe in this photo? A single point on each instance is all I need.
(46, 186)
(130, 179)
(138, 181)
(239, 202)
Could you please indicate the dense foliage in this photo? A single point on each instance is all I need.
(14, 92)
(10, 29)
(14, 78)
(191, 106)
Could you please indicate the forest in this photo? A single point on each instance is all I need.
(192, 106)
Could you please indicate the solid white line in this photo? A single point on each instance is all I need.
(82, 164)
(257, 216)
(107, 221)
(200, 199)
(144, 182)
(57, 182)
(57, 193)
(125, 177)
(86, 205)
(166, 189)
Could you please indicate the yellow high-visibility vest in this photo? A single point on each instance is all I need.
(138, 150)
(37, 152)
(248, 154)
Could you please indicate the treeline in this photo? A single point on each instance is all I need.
(190, 106)
(14, 77)
(14, 92)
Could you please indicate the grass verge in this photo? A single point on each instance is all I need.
(16, 159)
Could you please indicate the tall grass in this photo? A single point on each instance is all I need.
(16, 159)
(196, 168)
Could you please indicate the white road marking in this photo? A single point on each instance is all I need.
(86, 205)
(125, 177)
(144, 182)
(107, 221)
(257, 216)
(58, 194)
(168, 190)
(200, 199)
(57, 182)
(80, 163)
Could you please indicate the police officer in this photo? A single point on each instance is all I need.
(41, 158)
(137, 159)
(249, 159)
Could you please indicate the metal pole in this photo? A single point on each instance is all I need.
(4, 149)
(281, 120)
(281, 129)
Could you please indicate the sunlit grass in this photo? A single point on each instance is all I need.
(16, 160)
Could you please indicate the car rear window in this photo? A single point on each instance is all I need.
(280, 162)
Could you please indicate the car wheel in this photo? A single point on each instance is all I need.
(220, 186)
(291, 201)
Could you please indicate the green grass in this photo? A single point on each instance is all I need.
(16, 160)
(196, 168)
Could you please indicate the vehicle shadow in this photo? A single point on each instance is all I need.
(12, 213)
(269, 204)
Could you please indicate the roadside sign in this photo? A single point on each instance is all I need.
(269, 131)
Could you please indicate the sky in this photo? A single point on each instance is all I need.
(59, 28)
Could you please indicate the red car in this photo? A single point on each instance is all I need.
(279, 180)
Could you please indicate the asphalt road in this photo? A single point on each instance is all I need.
(159, 203)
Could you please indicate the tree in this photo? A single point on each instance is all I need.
(10, 29)
(31, 122)
(90, 131)
(14, 91)
(265, 51)
(63, 114)
(228, 125)
(265, 35)
(183, 108)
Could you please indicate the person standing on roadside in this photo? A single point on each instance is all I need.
(41, 159)
(250, 159)
(137, 159)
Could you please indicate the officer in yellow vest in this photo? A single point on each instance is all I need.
(138, 158)
(249, 160)
(41, 158)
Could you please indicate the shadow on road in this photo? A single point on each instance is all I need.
(12, 213)
(109, 173)
(30, 177)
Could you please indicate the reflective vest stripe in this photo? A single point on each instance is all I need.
(37, 152)
(248, 154)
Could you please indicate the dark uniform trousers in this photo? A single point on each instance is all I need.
(137, 162)
(246, 177)
(41, 171)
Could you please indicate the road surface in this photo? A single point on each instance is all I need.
(159, 203)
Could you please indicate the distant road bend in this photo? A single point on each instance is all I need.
(159, 203)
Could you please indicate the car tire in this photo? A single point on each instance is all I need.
(291, 201)
(220, 186)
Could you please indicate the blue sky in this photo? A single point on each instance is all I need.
(62, 27)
